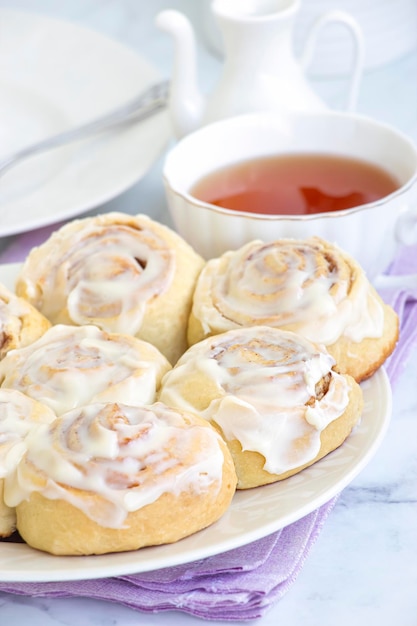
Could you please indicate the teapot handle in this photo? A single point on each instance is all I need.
(355, 30)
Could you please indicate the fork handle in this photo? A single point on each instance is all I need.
(149, 102)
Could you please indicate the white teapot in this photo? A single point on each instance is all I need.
(260, 71)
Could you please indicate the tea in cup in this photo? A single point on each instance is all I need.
(344, 177)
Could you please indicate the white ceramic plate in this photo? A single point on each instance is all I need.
(253, 514)
(55, 75)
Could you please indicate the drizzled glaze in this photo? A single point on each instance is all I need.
(11, 307)
(307, 286)
(104, 270)
(127, 456)
(70, 366)
(11, 314)
(15, 313)
(19, 414)
(266, 396)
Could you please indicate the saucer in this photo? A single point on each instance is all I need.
(55, 75)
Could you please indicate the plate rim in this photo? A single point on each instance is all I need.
(159, 124)
(73, 568)
(125, 563)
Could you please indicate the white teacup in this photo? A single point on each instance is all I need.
(371, 233)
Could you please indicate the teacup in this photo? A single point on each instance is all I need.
(371, 233)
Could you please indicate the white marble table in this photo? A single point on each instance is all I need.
(363, 568)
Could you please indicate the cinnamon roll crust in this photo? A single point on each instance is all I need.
(122, 273)
(20, 322)
(272, 395)
(112, 477)
(363, 360)
(74, 365)
(200, 392)
(306, 286)
(7, 515)
(19, 414)
(250, 465)
(57, 527)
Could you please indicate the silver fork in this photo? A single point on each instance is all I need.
(150, 101)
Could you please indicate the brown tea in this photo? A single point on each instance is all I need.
(296, 184)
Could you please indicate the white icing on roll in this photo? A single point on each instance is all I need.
(16, 314)
(308, 286)
(73, 365)
(11, 306)
(104, 269)
(128, 456)
(266, 392)
(19, 414)
(11, 314)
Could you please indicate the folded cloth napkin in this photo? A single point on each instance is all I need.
(241, 584)
(15, 249)
(238, 585)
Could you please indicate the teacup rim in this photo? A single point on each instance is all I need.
(405, 188)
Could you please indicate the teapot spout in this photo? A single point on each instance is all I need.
(186, 103)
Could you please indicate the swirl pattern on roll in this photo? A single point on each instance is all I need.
(266, 388)
(123, 273)
(109, 460)
(308, 286)
(103, 270)
(74, 365)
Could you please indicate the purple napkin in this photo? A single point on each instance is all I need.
(16, 248)
(238, 585)
(241, 584)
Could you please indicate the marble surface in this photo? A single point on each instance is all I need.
(363, 569)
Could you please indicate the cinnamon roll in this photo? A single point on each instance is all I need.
(18, 416)
(307, 286)
(111, 477)
(20, 322)
(120, 272)
(74, 365)
(272, 394)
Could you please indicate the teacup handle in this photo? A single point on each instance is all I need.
(406, 225)
(406, 235)
(400, 282)
(359, 49)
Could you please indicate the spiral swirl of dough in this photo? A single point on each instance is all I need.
(109, 460)
(271, 390)
(100, 270)
(73, 365)
(308, 286)
(123, 273)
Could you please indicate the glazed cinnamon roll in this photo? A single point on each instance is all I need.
(307, 286)
(20, 322)
(111, 477)
(122, 273)
(272, 394)
(18, 416)
(74, 365)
